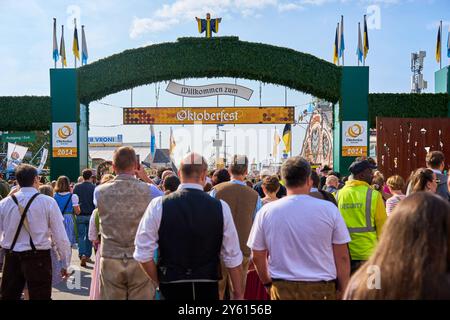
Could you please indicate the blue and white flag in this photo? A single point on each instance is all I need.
(84, 50)
(152, 141)
(341, 38)
(448, 43)
(360, 49)
(55, 43)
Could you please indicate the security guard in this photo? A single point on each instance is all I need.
(363, 211)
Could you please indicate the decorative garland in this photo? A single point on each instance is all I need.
(408, 105)
(214, 57)
(27, 113)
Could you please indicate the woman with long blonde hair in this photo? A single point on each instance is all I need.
(412, 259)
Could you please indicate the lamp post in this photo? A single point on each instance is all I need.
(225, 146)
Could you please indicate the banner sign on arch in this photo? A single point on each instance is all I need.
(64, 140)
(354, 138)
(213, 115)
(209, 90)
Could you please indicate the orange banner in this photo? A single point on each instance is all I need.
(354, 151)
(225, 115)
(65, 152)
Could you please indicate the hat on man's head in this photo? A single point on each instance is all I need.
(326, 168)
(359, 166)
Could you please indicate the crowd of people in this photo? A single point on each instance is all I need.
(300, 234)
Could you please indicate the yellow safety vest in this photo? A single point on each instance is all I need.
(357, 205)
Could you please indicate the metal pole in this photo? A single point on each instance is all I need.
(217, 146)
(182, 99)
(234, 98)
(160, 140)
(285, 96)
(342, 34)
(225, 147)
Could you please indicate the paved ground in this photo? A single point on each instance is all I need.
(76, 287)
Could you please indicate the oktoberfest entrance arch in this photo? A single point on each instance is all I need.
(73, 89)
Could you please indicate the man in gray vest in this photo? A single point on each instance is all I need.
(121, 204)
(191, 232)
(244, 203)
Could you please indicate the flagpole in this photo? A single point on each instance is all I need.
(440, 49)
(359, 33)
(60, 51)
(364, 41)
(54, 38)
(342, 36)
(74, 56)
(338, 44)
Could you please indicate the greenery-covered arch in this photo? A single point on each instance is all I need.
(216, 57)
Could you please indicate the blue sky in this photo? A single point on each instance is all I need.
(402, 27)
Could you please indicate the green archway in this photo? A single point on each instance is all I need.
(215, 57)
(347, 87)
(72, 90)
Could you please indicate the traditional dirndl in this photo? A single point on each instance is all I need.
(69, 225)
(94, 292)
(57, 265)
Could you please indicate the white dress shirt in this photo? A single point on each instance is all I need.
(45, 221)
(147, 235)
(93, 232)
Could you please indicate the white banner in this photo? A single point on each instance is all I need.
(106, 141)
(209, 90)
(43, 160)
(15, 155)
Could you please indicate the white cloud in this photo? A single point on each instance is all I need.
(179, 11)
(169, 15)
(283, 7)
(144, 25)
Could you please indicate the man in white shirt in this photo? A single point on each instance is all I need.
(27, 258)
(191, 231)
(305, 240)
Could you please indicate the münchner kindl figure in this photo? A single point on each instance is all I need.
(209, 25)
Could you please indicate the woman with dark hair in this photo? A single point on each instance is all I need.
(412, 259)
(219, 176)
(423, 179)
(68, 203)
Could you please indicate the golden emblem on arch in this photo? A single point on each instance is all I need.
(354, 131)
(64, 132)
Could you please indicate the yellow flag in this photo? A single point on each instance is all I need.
(276, 143)
(336, 46)
(438, 46)
(75, 45)
(287, 137)
(172, 143)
